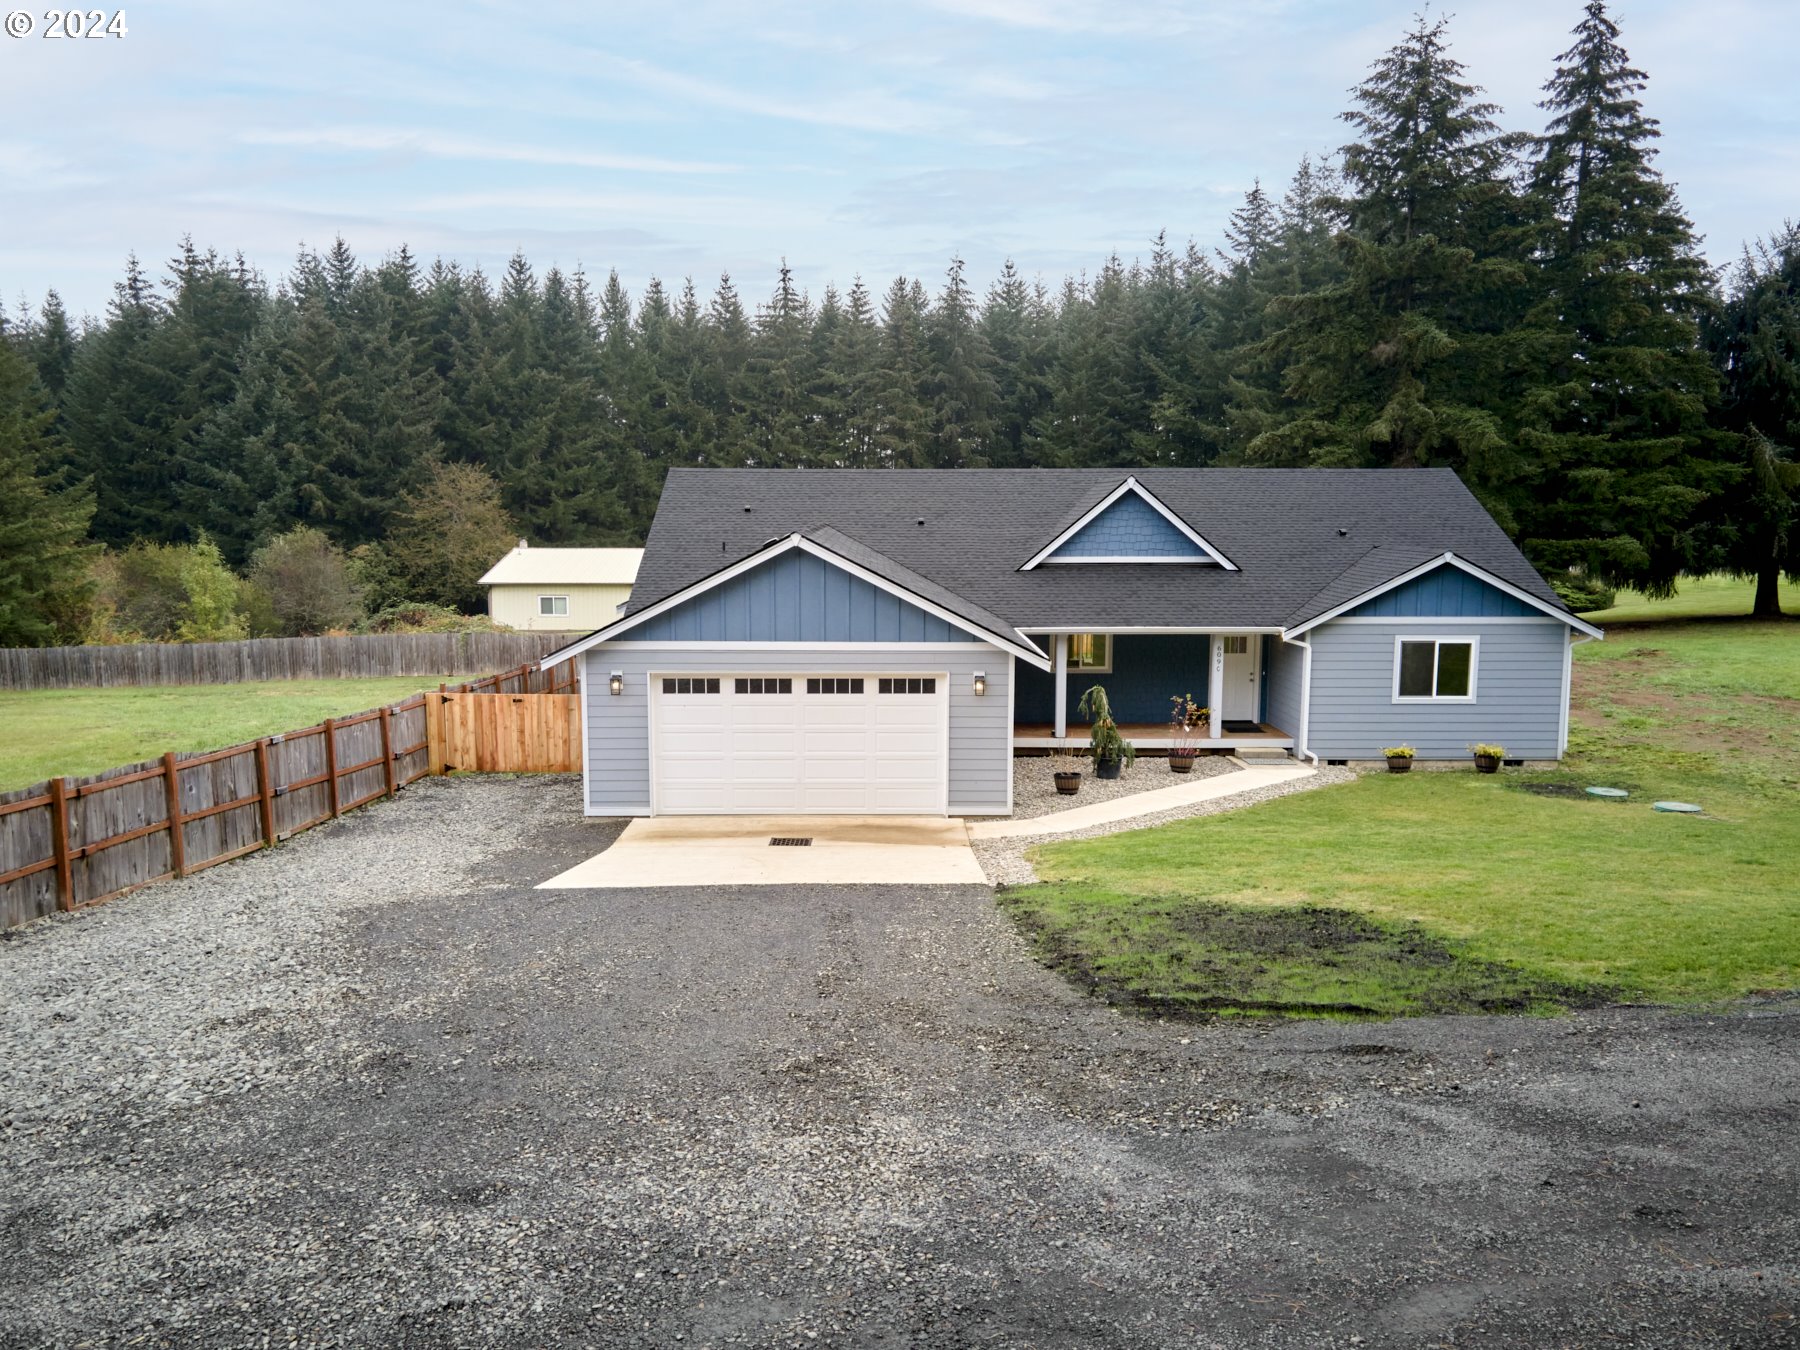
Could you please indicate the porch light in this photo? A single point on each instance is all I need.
(616, 685)
(980, 683)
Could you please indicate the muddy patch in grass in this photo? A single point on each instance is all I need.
(1201, 959)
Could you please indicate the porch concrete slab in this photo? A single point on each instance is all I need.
(1139, 803)
(735, 851)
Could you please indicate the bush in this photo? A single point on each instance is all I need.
(167, 593)
(1581, 592)
(421, 616)
(302, 585)
(449, 532)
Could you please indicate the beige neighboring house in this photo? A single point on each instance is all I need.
(560, 590)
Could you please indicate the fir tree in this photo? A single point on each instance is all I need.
(44, 553)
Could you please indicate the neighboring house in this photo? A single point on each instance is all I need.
(560, 590)
(886, 641)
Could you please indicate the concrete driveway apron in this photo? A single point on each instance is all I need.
(737, 851)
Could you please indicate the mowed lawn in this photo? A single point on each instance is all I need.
(72, 732)
(1454, 892)
(1713, 597)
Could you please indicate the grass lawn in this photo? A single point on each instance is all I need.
(1694, 598)
(1451, 891)
(57, 732)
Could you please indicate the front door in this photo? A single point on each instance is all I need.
(1240, 695)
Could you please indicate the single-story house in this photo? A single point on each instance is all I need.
(560, 590)
(887, 640)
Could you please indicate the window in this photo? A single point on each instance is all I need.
(1090, 651)
(690, 684)
(765, 684)
(553, 606)
(912, 684)
(1236, 644)
(1434, 669)
(831, 685)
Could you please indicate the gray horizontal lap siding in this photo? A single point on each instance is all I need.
(1518, 693)
(1281, 685)
(618, 729)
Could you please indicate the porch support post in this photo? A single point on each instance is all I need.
(1059, 655)
(1215, 685)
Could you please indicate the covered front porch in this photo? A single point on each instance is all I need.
(1238, 675)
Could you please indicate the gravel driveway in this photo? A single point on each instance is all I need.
(370, 1089)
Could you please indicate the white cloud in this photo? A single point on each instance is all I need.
(382, 140)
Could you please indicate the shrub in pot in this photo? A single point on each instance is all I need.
(1399, 758)
(1487, 757)
(1185, 720)
(1110, 750)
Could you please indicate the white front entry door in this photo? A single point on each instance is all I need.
(1240, 693)
(808, 743)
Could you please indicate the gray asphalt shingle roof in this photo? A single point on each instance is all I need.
(1298, 536)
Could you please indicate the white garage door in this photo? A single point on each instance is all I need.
(810, 742)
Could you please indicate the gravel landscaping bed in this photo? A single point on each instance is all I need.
(1035, 794)
(1005, 862)
(373, 1089)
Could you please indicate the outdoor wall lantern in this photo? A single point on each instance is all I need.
(616, 685)
(980, 683)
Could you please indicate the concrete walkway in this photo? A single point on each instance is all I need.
(735, 851)
(1139, 804)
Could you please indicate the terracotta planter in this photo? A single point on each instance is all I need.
(1399, 764)
(1181, 763)
(1108, 768)
(1487, 764)
(1068, 783)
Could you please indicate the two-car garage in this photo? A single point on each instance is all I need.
(811, 742)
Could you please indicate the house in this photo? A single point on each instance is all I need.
(887, 641)
(560, 590)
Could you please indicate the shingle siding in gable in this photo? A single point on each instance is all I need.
(1129, 528)
(1447, 592)
(797, 598)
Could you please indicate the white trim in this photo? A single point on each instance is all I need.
(1060, 668)
(1022, 647)
(685, 645)
(1215, 681)
(581, 684)
(1473, 642)
(1189, 561)
(1431, 565)
(1131, 485)
(1303, 736)
(1012, 708)
(1190, 630)
(1568, 680)
(1453, 618)
(551, 613)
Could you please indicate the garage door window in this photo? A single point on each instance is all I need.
(690, 685)
(831, 685)
(765, 684)
(912, 684)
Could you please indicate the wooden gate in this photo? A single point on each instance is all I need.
(504, 733)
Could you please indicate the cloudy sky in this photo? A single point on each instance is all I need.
(690, 137)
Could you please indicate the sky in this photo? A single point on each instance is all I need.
(692, 137)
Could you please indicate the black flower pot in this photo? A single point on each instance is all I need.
(1069, 782)
(1108, 768)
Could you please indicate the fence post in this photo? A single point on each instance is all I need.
(172, 794)
(265, 791)
(331, 778)
(59, 843)
(387, 749)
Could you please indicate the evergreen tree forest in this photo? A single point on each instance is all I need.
(1530, 309)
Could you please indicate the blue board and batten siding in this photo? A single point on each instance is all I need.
(797, 598)
(1146, 670)
(1129, 528)
(1448, 592)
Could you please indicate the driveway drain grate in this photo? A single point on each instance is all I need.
(790, 843)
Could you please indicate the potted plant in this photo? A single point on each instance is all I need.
(1399, 758)
(1487, 757)
(1185, 720)
(1110, 750)
(1067, 776)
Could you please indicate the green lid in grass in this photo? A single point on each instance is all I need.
(1681, 808)
(1609, 793)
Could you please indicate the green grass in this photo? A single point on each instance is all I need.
(57, 732)
(1713, 597)
(1517, 890)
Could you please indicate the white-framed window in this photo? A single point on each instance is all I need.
(1091, 652)
(1236, 644)
(553, 606)
(1435, 669)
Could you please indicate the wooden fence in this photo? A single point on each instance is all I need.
(326, 658)
(508, 733)
(69, 843)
